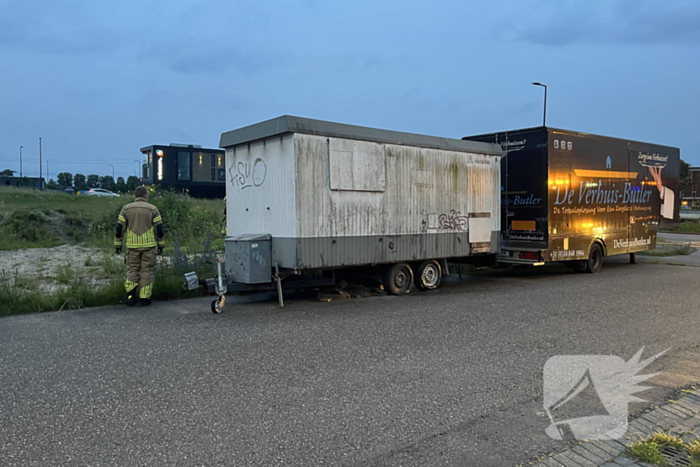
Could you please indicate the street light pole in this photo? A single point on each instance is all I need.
(112, 170)
(20, 161)
(138, 167)
(47, 169)
(41, 183)
(544, 119)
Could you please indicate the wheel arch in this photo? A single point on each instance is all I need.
(600, 242)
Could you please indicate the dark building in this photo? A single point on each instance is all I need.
(691, 194)
(186, 168)
(22, 182)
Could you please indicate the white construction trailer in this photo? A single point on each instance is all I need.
(307, 195)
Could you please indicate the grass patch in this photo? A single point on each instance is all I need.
(649, 449)
(25, 283)
(22, 297)
(685, 227)
(18, 299)
(673, 249)
(113, 265)
(44, 219)
(64, 274)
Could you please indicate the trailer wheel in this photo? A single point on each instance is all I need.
(428, 275)
(398, 279)
(217, 306)
(595, 259)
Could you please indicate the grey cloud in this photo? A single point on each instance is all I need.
(194, 58)
(51, 29)
(617, 21)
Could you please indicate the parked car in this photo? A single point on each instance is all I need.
(98, 192)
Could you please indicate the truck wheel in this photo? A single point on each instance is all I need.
(595, 259)
(428, 275)
(398, 279)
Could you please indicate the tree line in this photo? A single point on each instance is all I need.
(78, 182)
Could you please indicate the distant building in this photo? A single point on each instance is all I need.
(22, 182)
(186, 168)
(690, 198)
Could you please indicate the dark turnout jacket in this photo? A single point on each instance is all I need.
(141, 224)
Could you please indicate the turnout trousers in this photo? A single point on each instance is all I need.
(140, 264)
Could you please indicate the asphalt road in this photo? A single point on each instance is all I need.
(450, 377)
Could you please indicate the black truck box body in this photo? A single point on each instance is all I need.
(563, 191)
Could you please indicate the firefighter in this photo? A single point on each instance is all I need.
(142, 225)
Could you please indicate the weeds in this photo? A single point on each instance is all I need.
(649, 450)
(91, 220)
(21, 296)
(64, 274)
(112, 266)
(688, 226)
(25, 283)
(694, 452)
(673, 249)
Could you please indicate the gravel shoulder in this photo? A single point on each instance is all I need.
(50, 269)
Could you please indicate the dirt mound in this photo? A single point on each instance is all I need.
(47, 224)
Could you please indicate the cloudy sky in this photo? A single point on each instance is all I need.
(98, 80)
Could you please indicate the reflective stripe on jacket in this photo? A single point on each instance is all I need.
(140, 220)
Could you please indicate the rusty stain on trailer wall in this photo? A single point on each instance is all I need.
(420, 184)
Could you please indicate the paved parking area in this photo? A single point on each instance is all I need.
(450, 377)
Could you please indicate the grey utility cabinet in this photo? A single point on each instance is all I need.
(248, 258)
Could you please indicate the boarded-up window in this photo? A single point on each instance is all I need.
(357, 165)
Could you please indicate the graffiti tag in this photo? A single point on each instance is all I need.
(454, 221)
(259, 258)
(246, 175)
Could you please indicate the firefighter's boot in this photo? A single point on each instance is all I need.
(131, 296)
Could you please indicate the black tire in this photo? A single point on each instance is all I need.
(398, 279)
(595, 259)
(428, 275)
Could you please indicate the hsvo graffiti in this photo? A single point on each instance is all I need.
(247, 175)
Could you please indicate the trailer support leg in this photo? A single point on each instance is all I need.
(279, 285)
(633, 258)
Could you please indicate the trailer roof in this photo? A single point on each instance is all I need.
(289, 124)
(562, 131)
(179, 146)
